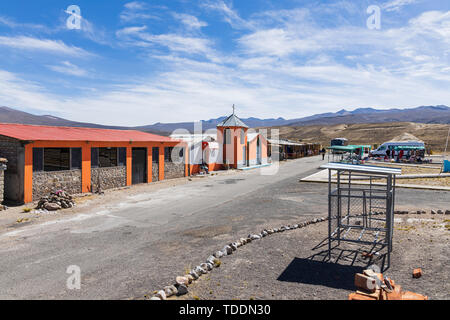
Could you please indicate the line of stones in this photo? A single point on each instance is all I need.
(213, 261)
(433, 211)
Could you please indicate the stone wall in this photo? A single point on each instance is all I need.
(111, 177)
(2, 178)
(8, 150)
(155, 171)
(14, 152)
(45, 182)
(173, 170)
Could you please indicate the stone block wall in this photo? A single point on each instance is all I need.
(109, 178)
(173, 170)
(45, 182)
(2, 178)
(14, 152)
(9, 150)
(155, 171)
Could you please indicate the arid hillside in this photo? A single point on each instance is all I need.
(434, 135)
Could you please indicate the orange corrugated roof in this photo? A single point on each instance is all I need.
(47, 133)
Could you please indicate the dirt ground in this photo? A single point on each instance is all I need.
(443, 182)
(289, 265)
(434, 135)
(431, 169)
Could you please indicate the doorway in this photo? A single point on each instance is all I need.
(139, 165)
(155, 164)
(258, 151)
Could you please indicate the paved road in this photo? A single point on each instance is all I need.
(134, 246)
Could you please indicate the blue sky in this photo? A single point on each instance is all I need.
(141, 62)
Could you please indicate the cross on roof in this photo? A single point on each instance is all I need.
(233, 108)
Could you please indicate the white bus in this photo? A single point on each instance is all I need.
(381, 150)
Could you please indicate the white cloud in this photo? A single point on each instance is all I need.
(434, 24)
(174, 42)
(134, 12)
(92, 32)
(229, 15)
(191, 22)
(46, 45)
(16, 92)
(69, 69)
(396, 5)
(277, 42)
(291, 70)
(286, 65)
(11, 23)
(135, 5)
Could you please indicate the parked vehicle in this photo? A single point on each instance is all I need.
(381, 150)
(339, 142)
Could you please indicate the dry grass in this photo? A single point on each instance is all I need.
(434, 135)
(442, 182)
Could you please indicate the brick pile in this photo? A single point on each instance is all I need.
(372, 285)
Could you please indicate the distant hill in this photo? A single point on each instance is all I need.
(424, 114)
(434, 135)
(212, 123)
(10, 115)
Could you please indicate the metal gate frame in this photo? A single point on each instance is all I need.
(354, 207)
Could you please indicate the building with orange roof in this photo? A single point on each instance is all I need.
(42, 159)
(233, 145)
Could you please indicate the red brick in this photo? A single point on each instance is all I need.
(417, 273)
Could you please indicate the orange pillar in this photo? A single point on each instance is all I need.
(28, 174)
(186, 161)
(235, 150)
(161, 162)
(149, 164)
(129, 165)
(86, 168)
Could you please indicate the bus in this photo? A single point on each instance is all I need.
(381, 150)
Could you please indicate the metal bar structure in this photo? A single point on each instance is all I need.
(361, 213)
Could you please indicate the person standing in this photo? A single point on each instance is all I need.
(400, 155)
(323, 151)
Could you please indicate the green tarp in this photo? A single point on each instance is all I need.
(349, 148)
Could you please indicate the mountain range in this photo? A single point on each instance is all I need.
(424, 114)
